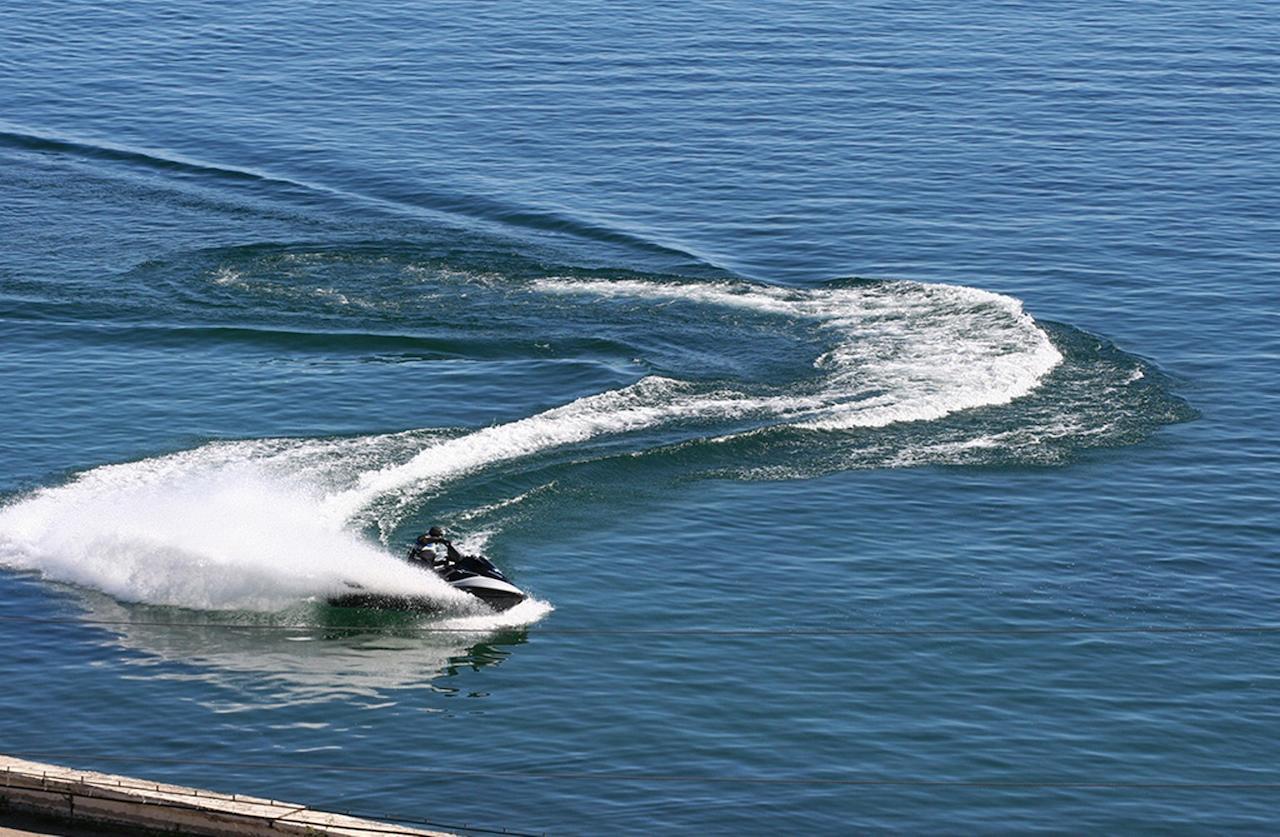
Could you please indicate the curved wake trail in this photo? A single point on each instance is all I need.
(262, 524)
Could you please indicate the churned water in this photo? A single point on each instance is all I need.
(878, 403)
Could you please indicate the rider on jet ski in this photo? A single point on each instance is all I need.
(472, 574)
(425, 550)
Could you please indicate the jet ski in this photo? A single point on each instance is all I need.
(474, 574)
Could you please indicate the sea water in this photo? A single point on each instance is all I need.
(878, 404)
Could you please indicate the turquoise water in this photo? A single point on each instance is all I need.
(851, 388)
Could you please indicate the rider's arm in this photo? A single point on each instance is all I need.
(454, 555)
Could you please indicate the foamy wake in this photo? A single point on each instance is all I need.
(195, 531)
(259, 525)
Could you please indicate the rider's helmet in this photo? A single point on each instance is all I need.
(435, 532)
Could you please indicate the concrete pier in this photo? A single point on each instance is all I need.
(102, 799)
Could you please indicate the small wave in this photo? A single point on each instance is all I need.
(102, 151)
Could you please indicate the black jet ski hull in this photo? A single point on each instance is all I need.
(498, 600)
(385, 601)
(473, 574)
(414, 604)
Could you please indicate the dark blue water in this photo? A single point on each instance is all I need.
(844, 382)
